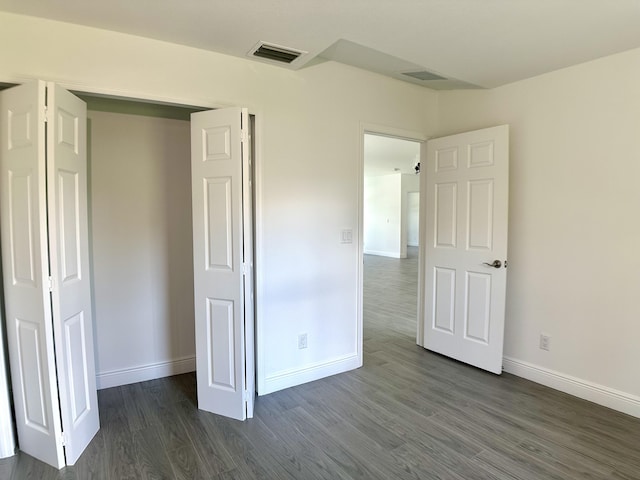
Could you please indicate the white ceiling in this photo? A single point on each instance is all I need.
(484, 43)
(388, 155)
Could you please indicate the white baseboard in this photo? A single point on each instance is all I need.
(7, 439)
(291, 378)
(142, 373)
(615, 399)
(381, 253)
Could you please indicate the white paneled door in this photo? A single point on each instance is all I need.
(223, 262)
(43, 215)
(69, 257)
(465, 256)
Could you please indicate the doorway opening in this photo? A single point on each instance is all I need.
(140, 239)
(140, 221)
(390, 233)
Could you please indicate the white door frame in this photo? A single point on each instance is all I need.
(385, 131)
(198, 102)
(7, 438)
(257, 193)
(258, 236)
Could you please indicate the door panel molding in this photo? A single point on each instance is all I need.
(47, 291)
(465, 180)
(223, 263)
(69, 257)
(27, 301)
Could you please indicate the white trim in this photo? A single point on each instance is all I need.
(387, 131)
(142, 373)
(259, 255)
(122, 94)
(422, 247)
(7, 439)
(608, 397)
(383, 254)
(298, 376)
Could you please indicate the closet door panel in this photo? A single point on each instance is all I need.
(69, 246)
(222, 265)
(25, 259)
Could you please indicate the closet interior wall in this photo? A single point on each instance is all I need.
(141, 240)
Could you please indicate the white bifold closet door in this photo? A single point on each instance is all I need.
(45, 255)
(223, 261)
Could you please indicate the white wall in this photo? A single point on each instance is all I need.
(383, 215)
(410, 183)
(574, 231)
(309, 136)
(141, 240)
(413, 219)
(386, 213)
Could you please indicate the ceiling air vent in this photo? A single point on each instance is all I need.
(423, 75)
(275, 53)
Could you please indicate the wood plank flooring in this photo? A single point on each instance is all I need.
(407, 414)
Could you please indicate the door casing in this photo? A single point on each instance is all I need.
(383, 130)
(256, 122)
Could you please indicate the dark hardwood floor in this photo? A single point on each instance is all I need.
(407, 414)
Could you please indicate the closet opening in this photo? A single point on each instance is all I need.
(140, 239)
(141, 236)
(140, 193)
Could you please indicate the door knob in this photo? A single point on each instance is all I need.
(494, 264)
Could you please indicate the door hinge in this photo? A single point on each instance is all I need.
(63, 439)
(244, 136)
(46, 114)
(244, 269)
(50, 281)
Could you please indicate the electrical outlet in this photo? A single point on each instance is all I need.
(545, 342)
(302, 340)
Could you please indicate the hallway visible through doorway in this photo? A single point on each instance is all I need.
(390, 296)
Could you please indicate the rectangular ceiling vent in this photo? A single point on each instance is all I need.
(275, 53)
(423, 75)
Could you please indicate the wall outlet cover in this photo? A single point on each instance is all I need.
(545, 342)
